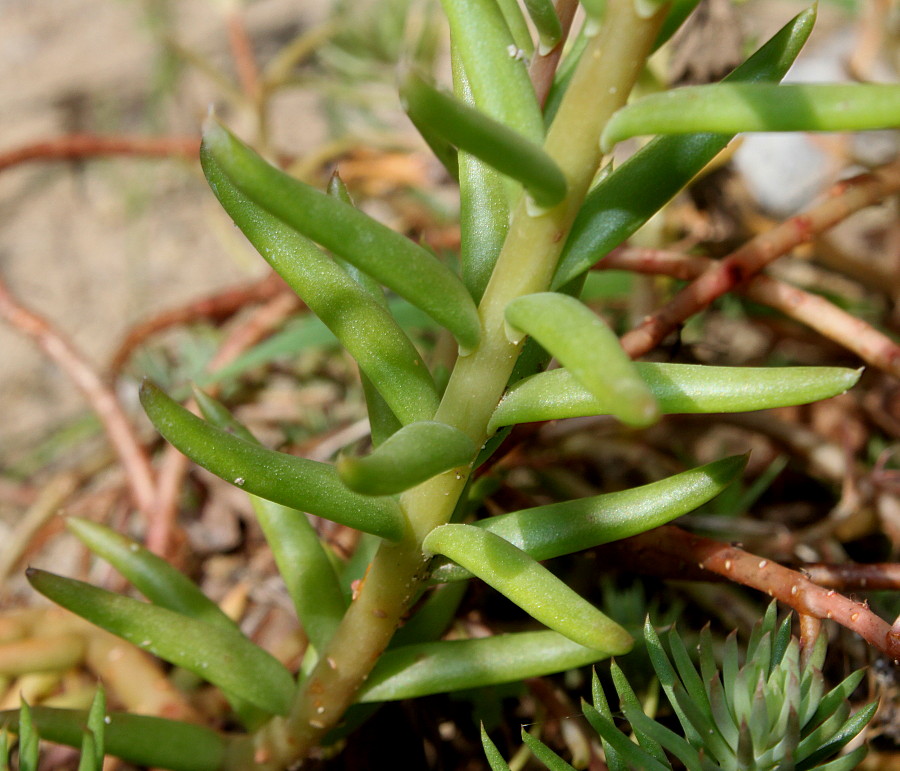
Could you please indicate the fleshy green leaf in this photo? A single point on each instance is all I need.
(471, 130)
(308, 574)
(354, 314)
(529, 585)
(678, 389)
(494, 68)
(394, 260)
(294, 482)
(626, 750)
(546, 22)
(550, 531)
(138, 739)
(94, 742)
(632, 193)
(589, 350)
(730, 108)
(151, 575)
(412, 455)
(216, 653)
(452, 665)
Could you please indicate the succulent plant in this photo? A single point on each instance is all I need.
(770, 713)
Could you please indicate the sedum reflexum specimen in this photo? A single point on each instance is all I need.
(533, 221)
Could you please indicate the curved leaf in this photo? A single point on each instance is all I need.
(471, 130)
(398, 263)
(308, 574)
(493, 66)
(139, 739)
(550, 531)
(730, 108)
(678, 388)
(627, 197)
(220, 655)
(452, 665)
(294, 482)
(589, 350)
(356, 317)
(546, 22)
(408, 457)
(529, 585)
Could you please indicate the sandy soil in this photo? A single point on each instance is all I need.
(97, 246)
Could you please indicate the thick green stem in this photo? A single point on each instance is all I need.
(607, 72)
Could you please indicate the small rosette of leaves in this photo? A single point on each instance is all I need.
(771, 712)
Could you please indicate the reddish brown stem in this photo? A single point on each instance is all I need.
(737, 268)
(543, 67)
(215, 308)
(89, 146)
(878, 576)
(138, 471)
(814, 311)
(787, 586)
(244, 58)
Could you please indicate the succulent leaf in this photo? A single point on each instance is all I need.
(677, 388)
(589, 350)
(394, 260)
(470, 130)
(411, 455)
(556, 529)
(731, 108)
(219, 655)
(411, 671)
(528, 584)
(294, 482)
(633, 192)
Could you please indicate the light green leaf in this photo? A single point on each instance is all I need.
(493, 65)
(220, 655)
(356, 316)
(486, 138)
(29, 739)
(138, 739)
(529, 585)
(633, 192)
(294, 482)
(151, 575)
(452, 665)
(550, 531)
(394, 260)
(309, 576)
(589, 350)
(729, 108)
(408, 457)
(678, 389)
(546, 22)
(93, 743)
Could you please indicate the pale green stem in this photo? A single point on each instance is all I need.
(607, 72)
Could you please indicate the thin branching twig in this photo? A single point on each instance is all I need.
(724, 276)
